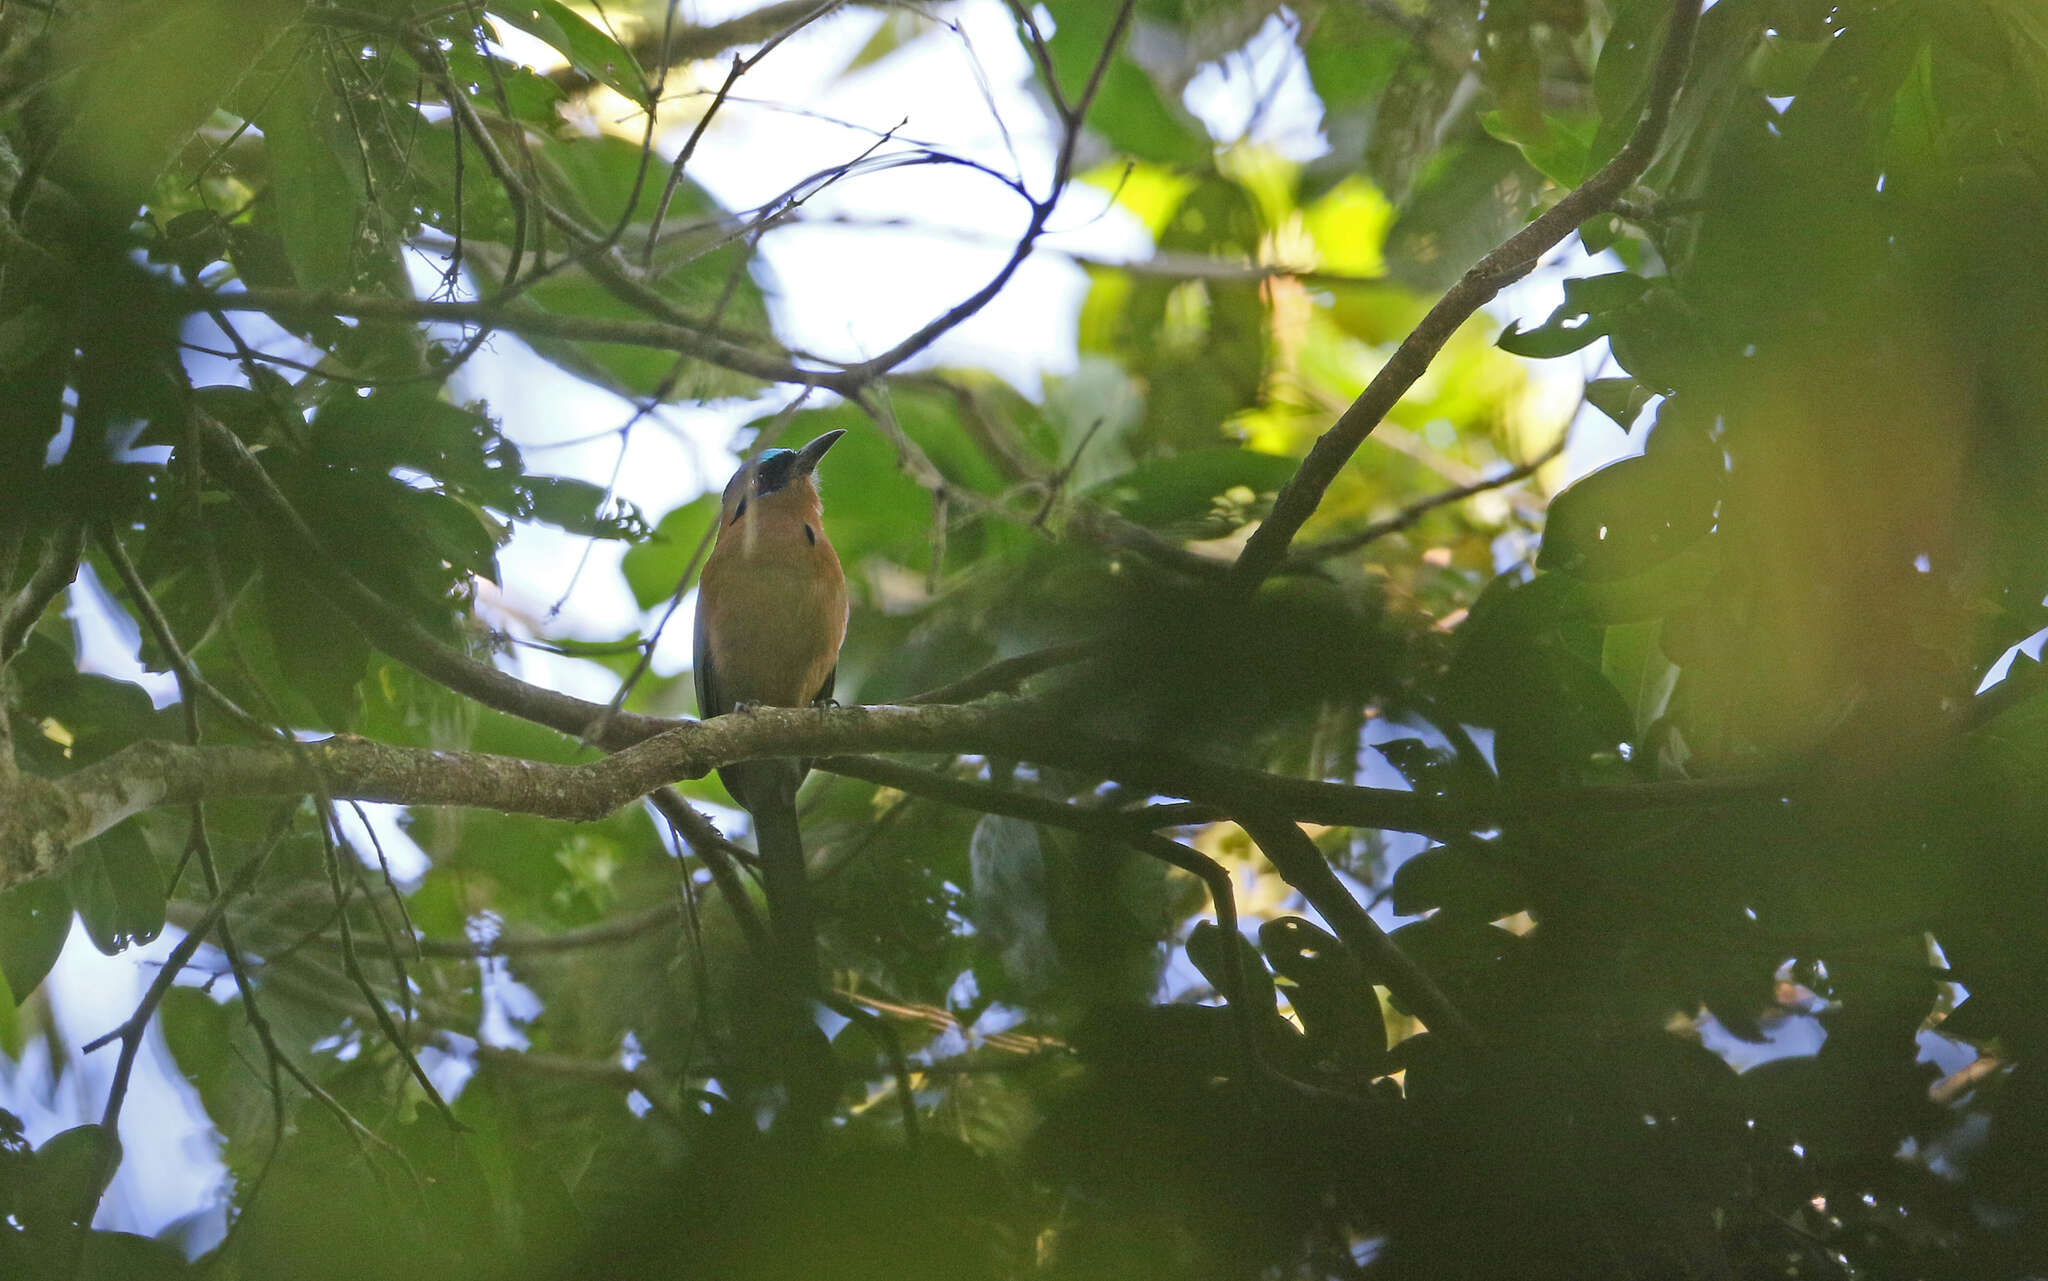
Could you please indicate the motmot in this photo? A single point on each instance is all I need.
(771, 616)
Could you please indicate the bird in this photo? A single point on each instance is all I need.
(771, 616)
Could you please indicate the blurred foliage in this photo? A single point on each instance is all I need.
(1726, 721)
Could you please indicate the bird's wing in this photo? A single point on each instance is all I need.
(708, 703)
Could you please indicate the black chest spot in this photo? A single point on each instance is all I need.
(810, 536)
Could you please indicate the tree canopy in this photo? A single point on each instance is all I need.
(1269, 830)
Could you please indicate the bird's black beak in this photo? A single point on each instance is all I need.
(808, 456)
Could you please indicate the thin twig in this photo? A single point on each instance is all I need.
(160, 631)
(1005, 674)
(131, 1030)
(1305, 557)
(1072, 121)
(740, 67)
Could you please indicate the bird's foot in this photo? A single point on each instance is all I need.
(747, 707)
(824, 704)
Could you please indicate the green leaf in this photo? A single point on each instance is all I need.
(114, 883)
(319, 211)
(529, 98)
(1329, 990)
(1355, 52)
(200, 1032)
(1633, 660)
(588, 49)
(1464, 878)
(320, 655)
(481, 210)
(11, 1041)
(1558, 147)
(698, 267)
(1621, 399)
(1468, 198)
(411, 426)
(1433, 771)
(125, 1256)
(35, 919)
(581, 507)
(1587, 312)
(1200, 347)
(1783, 62)
(1466, 957)
(99, 714)
(1584, 295)
(1510, 68)
(1551, 339)
(1637, 512)
(135, 84)
(1209, 952)
(1528, 661)
(459, 533)
(898, 31)
(1621, 78)
(655, 565)
(1657, 339)
(73, 1168)
(1559, 718)
(1128, 109)
(1203, 492)
(600, 179)
(24, 336)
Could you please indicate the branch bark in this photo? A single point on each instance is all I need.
(42, 819)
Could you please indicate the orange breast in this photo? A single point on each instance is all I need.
(776, 607)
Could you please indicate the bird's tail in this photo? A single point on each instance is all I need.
(784, 881)
(768, 790)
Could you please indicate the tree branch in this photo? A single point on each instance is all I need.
(1005, 674)
(42, 819)
(1302, 865)
(1267, 548)
(52, 575)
